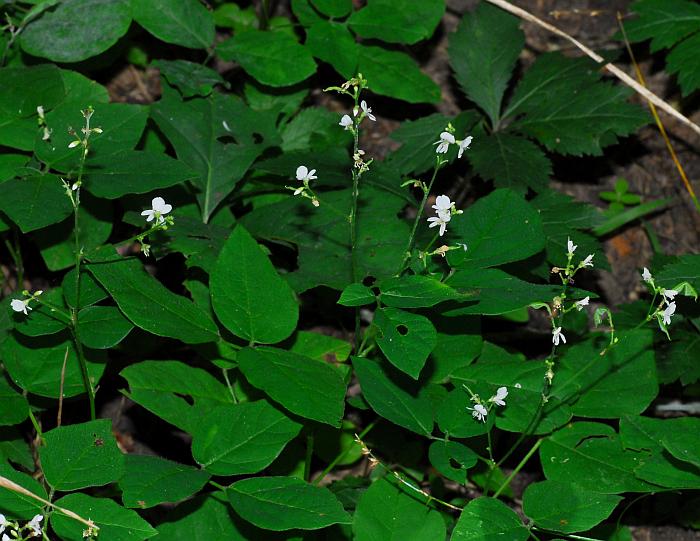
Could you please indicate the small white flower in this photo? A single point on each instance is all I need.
(6, 537)
(35, 525)
(40, 111)
(583, 302)
(500, 396)
(442, 204)
(518, 386)
(646, 275)
(74, 144)
(669, 293)
(479, 412)
(346, 122)
(159, 209)
(3, 523)
(225, 125)
(367, 110)
(558, 335)
(571, 247)
(588, 262)
(463, 145)
(303, 174)
(670, 310)
(446, 139)
(19, 305)
(442, 219)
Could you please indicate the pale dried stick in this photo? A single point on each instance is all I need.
(617, 72)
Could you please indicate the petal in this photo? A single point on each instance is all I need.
(311, 174)
(302, 171)
(157, 203)
(442, 202)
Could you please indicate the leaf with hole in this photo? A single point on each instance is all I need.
(405, 338)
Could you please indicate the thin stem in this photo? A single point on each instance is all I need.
(35, 424)
(230, 387)
(309, 455)
(264, 20)
(522, 463)
(353, 213)
(60, 388)
(83, 368)
(342, 455)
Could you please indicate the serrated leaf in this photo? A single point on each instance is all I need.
(397, 21)
(417, 152)
(273, 58)
(242, 438)
(285, 503)
(683, 61)
(151, 480)
(102, 327)
(181, 22)
(247, 294)
(332, 42)
(685, 269)
(307, 387)
(77, 29)
(406, 339)
(150, 305)
(394, 396)
(81, 455)
(35, 202)
(665, 21)
(485, 519)
(489, 32)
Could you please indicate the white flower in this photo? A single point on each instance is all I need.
(304, 175)
(670, 310)
(499, 397)
(442, 219)
(446, 139)
(571, 247)
(646, 275)
(367, 110)
(580, 304)
(5, 537)
(35, 525)
(40, 111)
(557, 335)
(160, 208)
(3, 523)
(442, 204)
(588, 262)
(463, 145)
(74, 144)
(669, 293)
(346, 122)
(19, 305)
(518, 386)
(479, 412)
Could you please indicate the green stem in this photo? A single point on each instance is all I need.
(342, 455)
(309, 455)
(35, 423)
(353, 215)
(264, 15)
(217, 485)
(230, 387)
(83, 366)
(522, 463)
(16, 255)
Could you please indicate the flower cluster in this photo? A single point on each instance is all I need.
(667, 306)
(363, 111)
(480, 411)
(444, 208)
(447, 138)
(32, 528)
(305, 176)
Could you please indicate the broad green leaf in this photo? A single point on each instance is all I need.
(510, 161)
(313, 127)
(566, 507)
(151, 480)
(394, 396)
(677, 360)
(666, 22)
(417, 138)
(241, 438)
(486, 519)
(102, 327)
(15, 505)
(387, 512)
(285, 503)
(161, 387)
(81, 455)
(14, 448)
(201, 130)
(90, 291)
(250, 299)
(273, 58)
(320, 346)
(77, 29)
(488, 32)
(13, 406)
(190, 79)
(181, 22)
(332, 42)
(133, 171)
(35, 364)
(35, 202)
(333, 8)
(458, 343)
(11, 164)
(356, 295)
(307, 387)
(497, 229)
(415, 291)
(115, 522)
(397, 21)
(42, 320)
(395, 74)
(592, 454)
(405, 338)
(452, 459)
(338, 446)
(150, 305)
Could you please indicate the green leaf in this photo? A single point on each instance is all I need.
(320, 346)
(81, 455)
(332, 42)
(181, 22)
(678, 436)
(90, 291)
(682, 60)
(249, 297)
(42, 320)
(415, 291)
(35, 364)
(488, 32)
(619, 219)
(307, 387)
(566, 507)
(13, 406)
(397, 21)
(333, 8)
(77, 29)
(417, 138)
(115, 522)
(356, 295)
(665, 21)
(15, 505)
(510, 161)
(189, 78)
(486, 519)
(458, 343)
(685, 269)
(273, 58)
(497, 229)
(151, 480)
(204, 518)
(133, 171)
(161, 387)
(11, 164)
(285, 503)
(150, 305)
(394, 396)
(443, 454)
(385, 511)
(102, 327)
(395, 74)
(311, 128)
(242, 438)
(454, 418)
(35, 202)
(405, 338)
